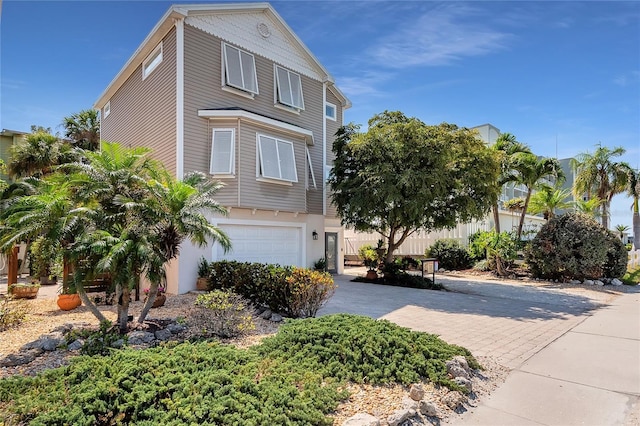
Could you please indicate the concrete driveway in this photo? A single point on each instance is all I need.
(574, 354)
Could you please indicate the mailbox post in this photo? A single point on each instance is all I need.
(430, 266)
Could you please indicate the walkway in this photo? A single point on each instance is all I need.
(542, 334)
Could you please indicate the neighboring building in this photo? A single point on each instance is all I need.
(8, 138)
(230, 90)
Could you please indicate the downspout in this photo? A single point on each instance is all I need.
(324, 149)
(179, 23)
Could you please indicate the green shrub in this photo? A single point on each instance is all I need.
(12, 312)
(310, 290)
(575, 246)
(223, 313)
(203, 268)
(267, 285)
(450, 254)
(499, 250)
(99, 342)
(362, 349)
(369, 256)
(293, 378)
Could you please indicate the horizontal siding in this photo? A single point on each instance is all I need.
(266, 195)
(332, 128)
(143, 113)
(203, 80)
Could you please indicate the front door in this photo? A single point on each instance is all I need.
(331, 251)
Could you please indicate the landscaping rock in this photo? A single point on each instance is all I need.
(588, 282)
(428, 408)
(266, 314)
(464, 382)
(362, 419)
(416, 392)
(455, 370)
(276, 318)
(75, 345)
(462, 362)
(20, 358)
(176, 328)
(118, 344)
(400, 416)
(140, 337)
(163, 334)
(45, 343)
(454, 400)
(598, 283)
(409, 403)
(616, 281)
(575, 282)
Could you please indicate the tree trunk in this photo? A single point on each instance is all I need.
(153, 292)
(123, 308)
(23, 265)
(636, 225)
(524, 214)
(496, 218)
(605, 214)
(89, 304)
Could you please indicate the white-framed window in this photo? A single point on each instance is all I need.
(330, 111)
(222, 161)
(106, 110)
(289, 88)
(312, 175)
(276, 159)
(152, 61)
(239, 69)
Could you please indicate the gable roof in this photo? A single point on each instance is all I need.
(218, 19)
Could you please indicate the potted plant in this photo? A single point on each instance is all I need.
(370, 259)
(28, 290)
(68, 298)
(203, 275)
(161, 298)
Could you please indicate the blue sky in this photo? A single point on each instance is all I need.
(561, 76)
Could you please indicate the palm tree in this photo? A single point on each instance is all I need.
(589, 207)
(634, 191)
(547, 200)
(621, 230)
(530, 171)
(37, 155)
(599, 175)
(508, 148)
(83, 128)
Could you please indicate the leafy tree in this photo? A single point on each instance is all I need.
(508, 149)
(599, 175)
(403, 175)
(621, 230)
(83, 128)
(530, 172)
(38, 154)
(633, 190)
(41, 129)
(547, 200)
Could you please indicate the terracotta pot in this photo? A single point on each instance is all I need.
(67, 302)
(372, 275)
(160, 299)
(202, 284)
(24, 292)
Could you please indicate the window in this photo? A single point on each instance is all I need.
(240, 69)
(152, 61)
(330, 111)
(222, 152)
(289, 88)
(311, 174)
(107, 109)
(277, 160)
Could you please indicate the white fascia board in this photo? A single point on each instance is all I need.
(150, 42)
(344, 101)
(259, 119)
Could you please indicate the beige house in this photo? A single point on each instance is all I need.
(230, 90)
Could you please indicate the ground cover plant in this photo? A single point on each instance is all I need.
(296, 377)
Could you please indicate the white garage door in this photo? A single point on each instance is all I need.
(265, 244)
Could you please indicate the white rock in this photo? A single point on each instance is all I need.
(428, 408)
(464, 382)
(616, 281)
(575, 282)
(462, 361)
(400, 416)
(409, 403)
(362, 419)
(598, 283)
(588, 282)
(455, 370)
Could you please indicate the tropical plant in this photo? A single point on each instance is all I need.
(621, 230)
(369, 256)
(508, 149)
(38, 154)
(633, 189)
(402, 176)
(547, 200)
(83, 128)
(590, 207)
(514, 204)
(530, 172)
(450, 254)
(599, 175)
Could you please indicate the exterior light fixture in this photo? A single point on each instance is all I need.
(314, 234)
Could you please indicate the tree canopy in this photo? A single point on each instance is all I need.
(403, 175)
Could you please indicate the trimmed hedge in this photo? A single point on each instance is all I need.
(295, 292)
(450, 254)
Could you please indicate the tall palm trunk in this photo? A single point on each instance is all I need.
(605, 213)
(496, 217)
(524, 213)
(153, 292)
(636, 224)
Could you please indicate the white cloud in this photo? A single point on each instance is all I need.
(627, 79)
(365, 84)
(439, 37)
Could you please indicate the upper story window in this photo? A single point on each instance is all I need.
(276, 159)
(106, 110)
(289, 88)
(330, 111)
(240, 69)
(152, 61)
(222, 152)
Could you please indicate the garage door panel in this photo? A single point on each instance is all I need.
(266, 244)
